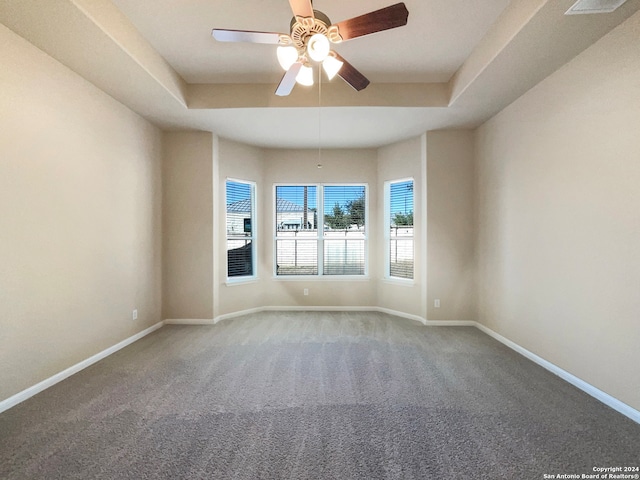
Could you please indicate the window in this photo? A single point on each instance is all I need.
(344, 230)
(296, 230)
(399, 228)
(241, 258)
(320, 230)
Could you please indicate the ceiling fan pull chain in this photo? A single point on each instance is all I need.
(319, 118)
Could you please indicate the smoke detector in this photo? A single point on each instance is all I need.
(594, 6)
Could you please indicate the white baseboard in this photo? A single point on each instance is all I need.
(396, 313)
(189, 321)
(226, 316)
(451, 323)
(311, 308)
(596, 393)
(58, 377)
(331, 308)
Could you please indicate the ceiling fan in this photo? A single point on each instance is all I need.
(309, 40)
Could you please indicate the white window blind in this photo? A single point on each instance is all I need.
(320, 230)
(400, 233)
(344, 230)
(240, 200)
(296, 230)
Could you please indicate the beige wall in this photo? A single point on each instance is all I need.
(240, 162)
(189, 242)
(299, 166)
(395, 162)
(451, 232)
(80, 200)
(558, 176)
(187, 218)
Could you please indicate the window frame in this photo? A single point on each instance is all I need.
(387, 232)
(321, 276)
(234, 280)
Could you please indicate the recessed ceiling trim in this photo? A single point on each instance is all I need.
(582, 7)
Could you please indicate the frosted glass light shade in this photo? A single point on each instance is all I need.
(318, 47)
(331, 66)
(287, 56)
(305, 76)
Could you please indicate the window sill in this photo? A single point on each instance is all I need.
(241, 281)
(407, 282)
(322, 278)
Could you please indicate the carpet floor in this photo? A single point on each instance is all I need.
(313, 396)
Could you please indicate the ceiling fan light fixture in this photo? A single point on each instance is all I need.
(318, 47)
(305, 76)
(287, 56)
(331, 66)
(311, 33)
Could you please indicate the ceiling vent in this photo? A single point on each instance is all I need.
(594, 6)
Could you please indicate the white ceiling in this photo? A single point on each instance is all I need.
(438, 37)
(455, 64)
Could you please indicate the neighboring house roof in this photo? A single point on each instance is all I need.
(241, 206)
(282, 205)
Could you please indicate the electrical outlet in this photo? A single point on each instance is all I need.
(135, 314)
(306, 291)
(436, 303)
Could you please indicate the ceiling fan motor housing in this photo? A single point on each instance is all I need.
(303, 28)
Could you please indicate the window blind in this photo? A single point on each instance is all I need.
(296, 230)
(400, 218)
(344, 230)
(240, 228)
(320, 230)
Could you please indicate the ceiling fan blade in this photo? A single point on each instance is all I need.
(351, 75)
(246, 36)
(288, 80)
(302, 8)
(372, 22)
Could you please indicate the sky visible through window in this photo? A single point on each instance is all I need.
(401, 198)
(237, 192)
(295, 194)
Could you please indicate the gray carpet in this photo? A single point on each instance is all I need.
(313, 396)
